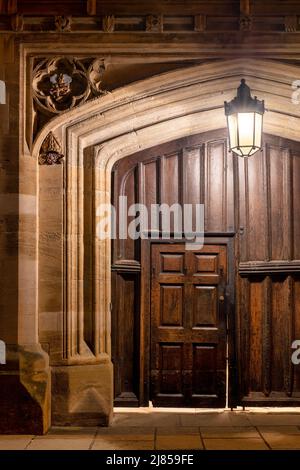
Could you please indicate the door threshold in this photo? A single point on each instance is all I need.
(160, 409)
(252, 409)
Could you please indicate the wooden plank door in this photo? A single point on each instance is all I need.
(188, 326)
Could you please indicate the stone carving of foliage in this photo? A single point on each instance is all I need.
(108, 24)
(63, 23)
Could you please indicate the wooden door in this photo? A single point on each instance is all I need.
(256, 200)
(188, 326)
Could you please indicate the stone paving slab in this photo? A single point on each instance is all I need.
(235, 444)
(226, 432)
(159, 429)
(14, 442)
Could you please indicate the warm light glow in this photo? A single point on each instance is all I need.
(246, 126)
(245, 121)
(245, 131)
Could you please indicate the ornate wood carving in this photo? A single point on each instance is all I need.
(50, 153)
(154, 23)
(63, 24)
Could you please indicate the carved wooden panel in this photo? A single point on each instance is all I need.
(184, 172)
(273, 310)
(269, 203)
(295, 203)
(125, 344)
(187, 330)
(258, 199)
(204, 306)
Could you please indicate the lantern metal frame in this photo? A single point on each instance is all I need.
(244, 103)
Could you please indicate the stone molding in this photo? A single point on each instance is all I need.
(159, 109)
(154, 22)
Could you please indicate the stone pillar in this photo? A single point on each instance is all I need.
(72, 321)
(25, 378)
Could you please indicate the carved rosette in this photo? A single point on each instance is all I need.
(50, 153)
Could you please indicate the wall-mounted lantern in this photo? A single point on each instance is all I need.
(245, 122)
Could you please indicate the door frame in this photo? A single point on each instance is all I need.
(227, 239)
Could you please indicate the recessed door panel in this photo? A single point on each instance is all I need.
(188, 336)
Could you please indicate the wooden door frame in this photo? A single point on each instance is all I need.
(227, 239)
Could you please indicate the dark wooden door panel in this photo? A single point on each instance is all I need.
(258, 199)
(188, 335)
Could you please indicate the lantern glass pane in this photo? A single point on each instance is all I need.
(233, 132)
(258, 129)
(246, 130)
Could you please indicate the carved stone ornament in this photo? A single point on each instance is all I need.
(291, 24)
(154, 23)
(108, 24)
(245, 23)
(50, 153)
(63, 24)
(62, 83)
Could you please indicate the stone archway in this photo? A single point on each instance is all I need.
(159, 109)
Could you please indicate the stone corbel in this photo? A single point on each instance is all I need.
(108, 24)
(50, 153)
(154, 23)
(63, 24)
